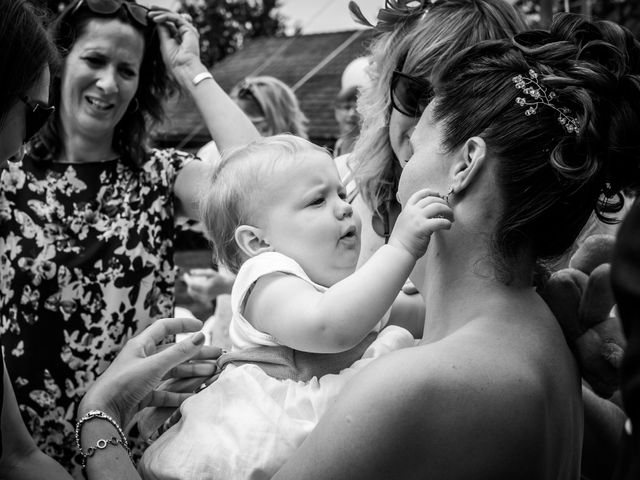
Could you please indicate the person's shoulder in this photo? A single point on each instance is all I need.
(264, 268)
(439, 369)
(267, 262)
(450, 401)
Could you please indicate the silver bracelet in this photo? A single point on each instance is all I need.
(200, 77)
(102, 443)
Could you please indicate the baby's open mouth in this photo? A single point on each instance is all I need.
(350, 233)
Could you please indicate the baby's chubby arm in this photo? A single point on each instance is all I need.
(336, 320)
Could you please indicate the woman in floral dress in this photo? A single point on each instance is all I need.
(87, 218)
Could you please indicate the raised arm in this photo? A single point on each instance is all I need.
(228, 125)
(338, 319)
(226, 122)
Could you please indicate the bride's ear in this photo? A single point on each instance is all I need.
(251, 240)
(473, 156)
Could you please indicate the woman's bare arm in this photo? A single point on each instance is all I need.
(21, 458)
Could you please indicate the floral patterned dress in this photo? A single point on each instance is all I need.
(86, 260)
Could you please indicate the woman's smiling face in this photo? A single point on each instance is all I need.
(100, 78)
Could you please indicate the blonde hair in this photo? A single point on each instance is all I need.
(232, 197)
(417, 47)
(278, 103)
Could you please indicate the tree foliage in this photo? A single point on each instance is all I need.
(225, 24)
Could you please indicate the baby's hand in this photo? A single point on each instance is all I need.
(424, 213)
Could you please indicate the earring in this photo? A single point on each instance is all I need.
(447, 195)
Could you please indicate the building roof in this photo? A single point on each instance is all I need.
(311, 64)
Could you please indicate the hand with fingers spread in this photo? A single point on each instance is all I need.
(424, 213)
(131, 381)
(178, 39)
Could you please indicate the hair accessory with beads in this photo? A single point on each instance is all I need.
(540, 95)
(394, 12)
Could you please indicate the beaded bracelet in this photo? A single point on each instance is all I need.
(102, 443)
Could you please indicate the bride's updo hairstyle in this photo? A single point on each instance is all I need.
(560, 111)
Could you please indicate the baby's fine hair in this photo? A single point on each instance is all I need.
(233, 192)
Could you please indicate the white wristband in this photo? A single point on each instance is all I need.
(200, 77)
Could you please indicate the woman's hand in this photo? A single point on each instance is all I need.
(205, 284)
(424, 213)
(131, 380)
(178, 39)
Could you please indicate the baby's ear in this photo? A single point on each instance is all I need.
(251, 240)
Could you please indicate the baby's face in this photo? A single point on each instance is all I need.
(308, 219)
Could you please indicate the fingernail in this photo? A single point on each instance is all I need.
(197, 338)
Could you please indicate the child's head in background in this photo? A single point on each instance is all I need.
(282, 194)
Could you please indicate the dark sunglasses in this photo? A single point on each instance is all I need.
(109, 7)
(410, 95)
(37, 115)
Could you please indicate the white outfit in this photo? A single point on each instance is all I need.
(247, 424)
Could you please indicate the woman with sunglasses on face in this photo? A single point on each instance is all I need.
(412, 41)
(272, 107)
(89, 211)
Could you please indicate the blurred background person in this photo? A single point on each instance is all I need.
(272, 107)
(353, 78)
(348, 120)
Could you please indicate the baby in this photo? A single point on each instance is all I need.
(277, 216)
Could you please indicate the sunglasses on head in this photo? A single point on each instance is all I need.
(109, 7)
(410, 95)
(37, 115)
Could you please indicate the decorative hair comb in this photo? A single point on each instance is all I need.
(540, 95)
(394, 12)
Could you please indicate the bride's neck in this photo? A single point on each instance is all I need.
(461, 281)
